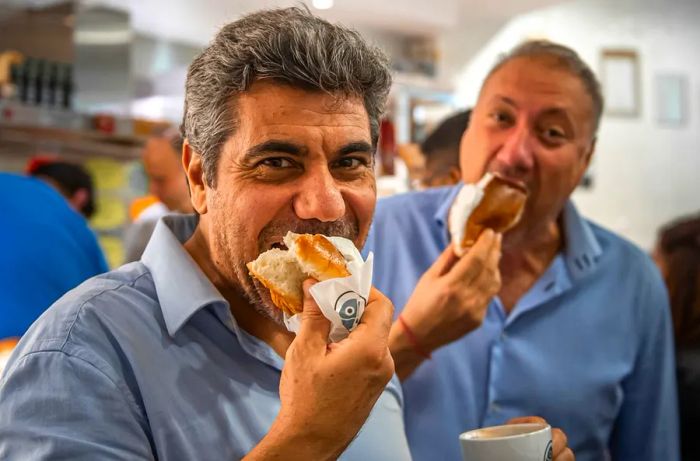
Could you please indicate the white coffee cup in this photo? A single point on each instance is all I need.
(512, 442)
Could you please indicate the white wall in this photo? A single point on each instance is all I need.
(644, 174)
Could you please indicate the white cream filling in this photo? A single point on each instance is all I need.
(466, 201)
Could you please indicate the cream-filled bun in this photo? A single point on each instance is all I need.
(494, 203)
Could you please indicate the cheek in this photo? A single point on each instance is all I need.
(558, 173)
(361, 202)
(244, 212)
(474, 154)
(561, 168)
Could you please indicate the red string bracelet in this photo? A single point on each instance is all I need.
(413, 340)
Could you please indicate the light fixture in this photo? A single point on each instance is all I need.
(322, 4)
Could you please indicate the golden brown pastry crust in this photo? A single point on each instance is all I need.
(500, 209)
(323, 258)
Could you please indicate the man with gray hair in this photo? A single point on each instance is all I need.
(182, 355)
(565, 320)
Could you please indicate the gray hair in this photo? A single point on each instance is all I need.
(565, 58)
(289, 46)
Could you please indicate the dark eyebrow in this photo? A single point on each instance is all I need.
(275, 146)
(356, 147)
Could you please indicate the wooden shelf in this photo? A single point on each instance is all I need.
(28, 140)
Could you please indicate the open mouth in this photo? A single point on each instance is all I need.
(279, 246)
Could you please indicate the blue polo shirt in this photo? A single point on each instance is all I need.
(589, 347)
(147, 362)
(47, 249)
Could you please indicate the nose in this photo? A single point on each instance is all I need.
(516, 156)
(319, 196)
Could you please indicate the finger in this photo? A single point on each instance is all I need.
(493, 256)
(471, 264)
(488, 281)
(559, 442)
(566, 455)
(527, 420)
(377, 319)
(444, 262)
(314, 325)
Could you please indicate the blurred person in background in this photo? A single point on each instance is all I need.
(166, 182)
(677, 254)
(559, 317)
(69, 179)
(47, 249)
(163, 166)
(441, 151)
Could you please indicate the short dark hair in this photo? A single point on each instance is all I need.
(679, 245)
(289, 46)
(565, 58)
(447, 135)
(70, 178)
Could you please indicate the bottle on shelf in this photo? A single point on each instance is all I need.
(52, 85)
(39, 82)
(26, 93)
(67, 87)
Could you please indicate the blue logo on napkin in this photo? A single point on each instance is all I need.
(348, 306)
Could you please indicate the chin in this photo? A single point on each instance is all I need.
(263, 305)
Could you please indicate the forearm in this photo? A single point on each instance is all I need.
(406, 358)
(289, 442)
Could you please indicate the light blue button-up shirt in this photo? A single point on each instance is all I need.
(589, 347)
(147, 362)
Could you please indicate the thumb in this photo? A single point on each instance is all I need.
(444, 262)
(315, 327)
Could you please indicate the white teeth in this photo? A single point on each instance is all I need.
(279, 245)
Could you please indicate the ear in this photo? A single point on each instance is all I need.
(586, 161)
(589, 154)
(79, 198)
(454, 174)
(192, 163)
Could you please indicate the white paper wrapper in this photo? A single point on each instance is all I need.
(342, 300)
(466, 201)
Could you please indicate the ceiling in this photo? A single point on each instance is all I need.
(196, 21)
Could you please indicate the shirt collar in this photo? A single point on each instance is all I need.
(581, 250)
(182, 287)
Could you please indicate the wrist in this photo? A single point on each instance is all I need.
(416, 343)
(291, 440)
(406, 358)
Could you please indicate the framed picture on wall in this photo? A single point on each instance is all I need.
(620, 81)
(671, 99)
